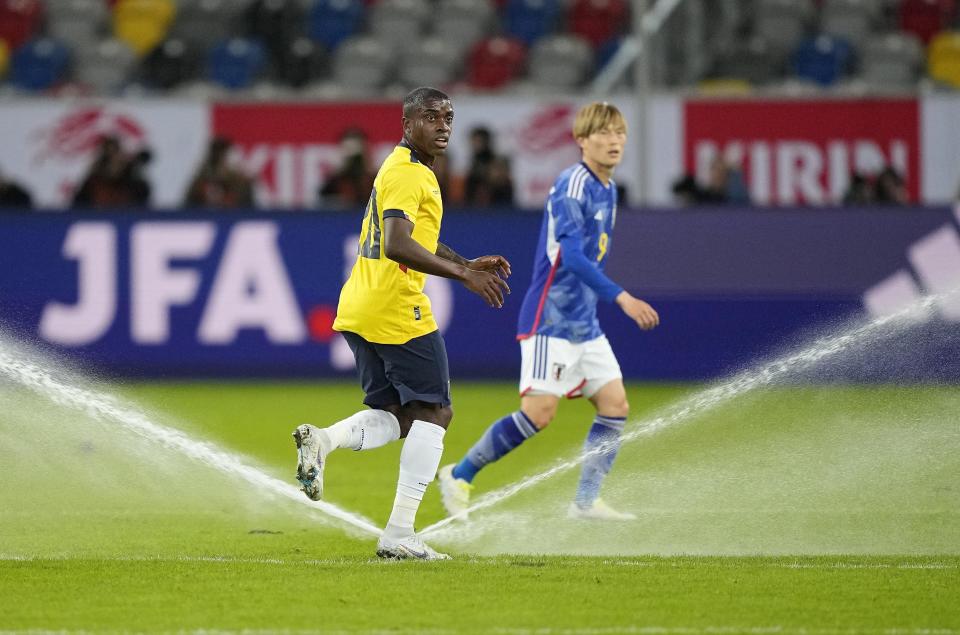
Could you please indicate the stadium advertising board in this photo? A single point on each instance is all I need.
(292, 148)
(255, 295)
(794, 152)
(48, 146)
(803, 152)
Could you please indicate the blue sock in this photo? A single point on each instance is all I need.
(600, 448)
(501, 437)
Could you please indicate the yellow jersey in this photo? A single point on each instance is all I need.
(382, 301)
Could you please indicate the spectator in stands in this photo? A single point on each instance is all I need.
(489, 182)
(352, 183)
(687, 192)
(115, 179)
(860, 191)
(725, 185)
(890, 188)
(13, 195)
(481, 147)
(219, 184)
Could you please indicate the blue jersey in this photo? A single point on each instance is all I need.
(562, 299)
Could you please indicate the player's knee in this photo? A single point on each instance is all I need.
(541, 416)
(617, 408)
(444, 416)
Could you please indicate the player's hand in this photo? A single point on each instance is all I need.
(491, 264)
(638, 311)
(488, 286)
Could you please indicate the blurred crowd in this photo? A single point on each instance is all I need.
(725, 185)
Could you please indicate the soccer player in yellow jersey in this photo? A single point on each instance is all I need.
(386, 319)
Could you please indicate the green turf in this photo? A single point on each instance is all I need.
(795, 510)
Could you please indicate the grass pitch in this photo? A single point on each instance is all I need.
(795, 510)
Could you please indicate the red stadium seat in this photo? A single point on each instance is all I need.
(19, 21)
(495, 62)
(597, 21)
(926, 18)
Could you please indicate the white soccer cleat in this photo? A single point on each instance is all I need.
(313, 446)
(454, 492)
(599, 510)
(409, 548)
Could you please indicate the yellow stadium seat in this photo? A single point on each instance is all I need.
(4, 58)
(143, 24)
(944, 58)
(724, 86)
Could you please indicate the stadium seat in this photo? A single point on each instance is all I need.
(431, 61)
(19, 20)
(926, 18)
(332, 21)
(105, 67)
(891, 61)
(560, 62)
(495, 62)
(39, 64)
(397, 23)
(783, 23)
(236, 63)
(462, 23)
(752, 60)
(607, 50)
(598, 21)
(275, 23)
(171, 64)
(852, 20)
(143, 24)
(529, 20)
(944, 58)
(4, 59)
(822, 59)
(77, 23)
(201, 22)
(362, 63)
(301, 62)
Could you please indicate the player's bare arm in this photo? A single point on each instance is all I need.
(639, 311)
(399, 246)
(492, 264)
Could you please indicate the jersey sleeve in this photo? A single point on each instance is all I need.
(402, 193)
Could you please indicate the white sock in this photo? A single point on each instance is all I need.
(365, 430)
(419, 461)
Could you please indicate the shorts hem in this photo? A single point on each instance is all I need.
(428, 397)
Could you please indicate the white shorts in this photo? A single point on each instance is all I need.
(555, 366)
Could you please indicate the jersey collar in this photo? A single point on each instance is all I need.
(595, 177)
(414, 157)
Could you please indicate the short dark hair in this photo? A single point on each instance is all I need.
(417, 97)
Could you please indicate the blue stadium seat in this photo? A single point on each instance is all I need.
(822, 59)
(529, 20)
(39, 64)
(332, 21)
(236, 63)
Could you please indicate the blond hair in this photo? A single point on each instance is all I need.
(596, 117)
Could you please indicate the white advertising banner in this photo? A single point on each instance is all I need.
(48, 146)
(536, 135)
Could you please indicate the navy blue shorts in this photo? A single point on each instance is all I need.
(394, 374)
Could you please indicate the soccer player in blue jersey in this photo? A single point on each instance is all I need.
(564, 352)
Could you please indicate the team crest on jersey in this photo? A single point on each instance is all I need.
(557, 371)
